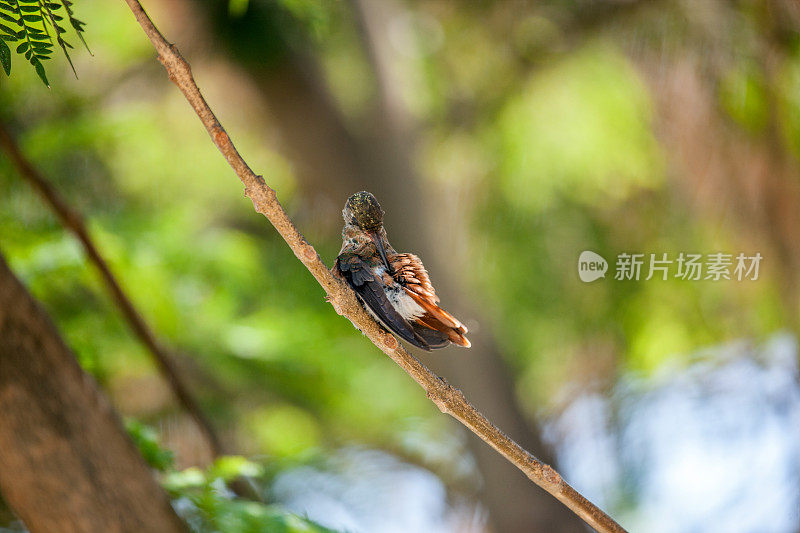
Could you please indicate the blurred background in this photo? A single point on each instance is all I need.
(502, 139)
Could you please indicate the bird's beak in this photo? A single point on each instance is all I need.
(376, 238)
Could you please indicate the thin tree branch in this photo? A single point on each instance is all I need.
(446, 397)
(72, 221)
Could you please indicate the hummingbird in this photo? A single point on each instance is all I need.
(394, 287)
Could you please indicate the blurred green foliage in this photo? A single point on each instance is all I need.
(552, 150)
(581, 131)
(146, 439)
(203, 499)
(209, 274)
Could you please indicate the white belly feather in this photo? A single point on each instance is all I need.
(402, 302)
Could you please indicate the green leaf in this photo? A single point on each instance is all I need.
(7, 29)
(180, 481)
(76, 24)
(230, 467)
(41, 45)
(7, 17)
(53, 6)
(146, 439)
(66, 54)
(9, 38)
(32, 18)
(40, 71)
(5, 57)
(22, 47)
(30, 9)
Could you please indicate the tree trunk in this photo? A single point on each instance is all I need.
(66, 463)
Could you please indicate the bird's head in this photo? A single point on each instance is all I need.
(363, 211)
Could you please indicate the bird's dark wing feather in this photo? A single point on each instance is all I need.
(432, 337)
(360, 277)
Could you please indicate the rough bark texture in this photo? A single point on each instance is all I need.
(66, 463)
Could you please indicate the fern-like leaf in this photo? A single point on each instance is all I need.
(54, 20)
(76, 24)
(35, 27)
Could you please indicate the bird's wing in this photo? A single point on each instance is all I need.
(410, 273)
(365, 282)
